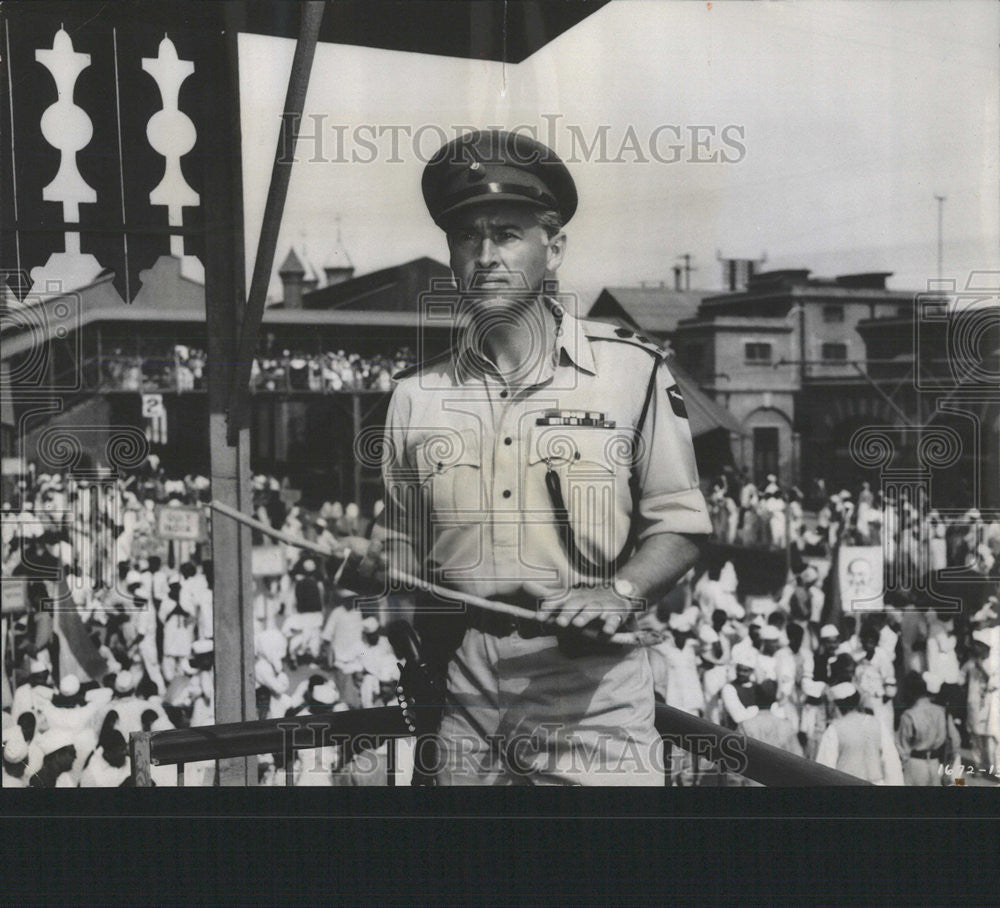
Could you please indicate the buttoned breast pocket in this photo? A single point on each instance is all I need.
(592, 468)
(449, 466)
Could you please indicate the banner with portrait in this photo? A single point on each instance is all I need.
(860, 580)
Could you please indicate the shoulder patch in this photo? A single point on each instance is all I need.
(603, 331)
(643, 344)
(419, 367)
(677, 402)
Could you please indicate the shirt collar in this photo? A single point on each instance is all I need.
(469, 363)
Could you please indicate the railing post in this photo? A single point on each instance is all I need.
(390, 762)
(139, 745)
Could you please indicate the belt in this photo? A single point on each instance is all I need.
(925, 754)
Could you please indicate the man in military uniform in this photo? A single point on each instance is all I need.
(542, 461)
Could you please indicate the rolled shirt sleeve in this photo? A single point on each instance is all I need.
(671, 500)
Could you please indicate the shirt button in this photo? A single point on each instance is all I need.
(506, 493)
(508, 440)
(503, 394)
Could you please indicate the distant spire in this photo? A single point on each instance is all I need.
(338, 266)
(292, 264)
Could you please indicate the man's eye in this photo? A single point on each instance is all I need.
(507, 236)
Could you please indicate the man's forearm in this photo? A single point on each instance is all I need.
(660, 562)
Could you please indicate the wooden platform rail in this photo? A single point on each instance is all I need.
(369, 728)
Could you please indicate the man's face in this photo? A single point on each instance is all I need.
(500, 247)
(859, 573)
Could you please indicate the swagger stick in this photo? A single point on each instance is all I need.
(489, 605)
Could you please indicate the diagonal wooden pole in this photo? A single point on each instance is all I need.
(281, 172)
(489, 605)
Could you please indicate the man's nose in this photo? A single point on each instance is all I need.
(487, 253)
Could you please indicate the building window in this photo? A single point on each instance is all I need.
(834, 352)
(757, 353)
(833, 314)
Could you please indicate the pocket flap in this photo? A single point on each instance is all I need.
(444, 448)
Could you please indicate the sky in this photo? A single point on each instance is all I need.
(826, 129)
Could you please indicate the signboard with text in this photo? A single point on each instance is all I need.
(13, 596)
(180, 523)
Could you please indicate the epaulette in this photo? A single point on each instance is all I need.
(601, 331)
(423, 364)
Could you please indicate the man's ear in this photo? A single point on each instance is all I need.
(556, 251)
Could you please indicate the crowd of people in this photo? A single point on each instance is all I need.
(899, 695)
(769, 515)
(128, 645)
(904, 694)
(183, 368)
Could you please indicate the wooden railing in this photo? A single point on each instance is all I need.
(370, 728)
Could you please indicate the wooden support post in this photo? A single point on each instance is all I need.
(142, 774)
(225, 295)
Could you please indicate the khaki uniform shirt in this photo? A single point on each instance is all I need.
(466, 460)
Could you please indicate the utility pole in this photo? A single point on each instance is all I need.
(686, 258)
(940, 201)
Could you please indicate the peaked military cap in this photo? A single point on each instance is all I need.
(493, 165)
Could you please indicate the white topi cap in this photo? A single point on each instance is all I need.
(326, 693)
(932, 682)
(812, 688)
(69, 686)
(829, 632)
(15, 748)
(843, 690)
(124, 682)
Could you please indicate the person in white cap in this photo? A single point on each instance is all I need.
(770, 644)
(788, 673)
(178, 614)
(749, 646)
(324, 537)
(828, 650)
(376, 645)
(983, 700)
(805, 599)
(680, 653)
(814, 717)
(108, 766)
(769, 724)
(74, 711)
(343, 633)
(926, 736)
(15, 761)
(738, 696)
(144, 622)
(202, 687)
(272, 681)
(716, 589)
(875, 676)
(857, 743)
(60, 755)
(29, 696)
